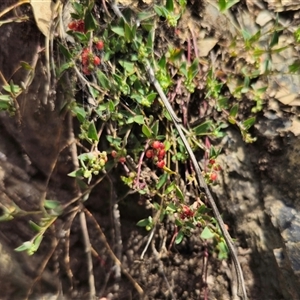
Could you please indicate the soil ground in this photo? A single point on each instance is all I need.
(189, 270)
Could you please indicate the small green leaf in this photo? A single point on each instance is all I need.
(155, 128)
(203, 209)
(129, 32)
(222, 103)
(34, 226)
(222, 5)
(80, 113)
(161, 11)
(278, 50)
(25, 246)
(111, 106)
(115, 141)
(81, 37)
(149, 44)
(76, 173)
(214, 152)
(15, 89)
(274, 39)
(143, 223)
(234, 110)
(190, 225)
(92, 132)
(118, 30)
(65, 51)
(64, 67)
(295, 67)
(207, 234)
(5, 97)
(162, 62)
(36, 243)
(103, 80)
(226, 4)
(147, 131)
(170, 5)
(179, 237)
(89, 21)
(223, 250)
(170, 188)
(139, 119)
(75, 17)
(297, 35)
(254, 38)
(78, 8)
(171, 207)
(128, 66)
(25, 65)
(193, 69)
(248, 123)
(183, 69)
(178, 223)
(162, 180)
(151, 97)
(203, 128)
(231, 120)
(7, 88)
(51, 204)
(179, 193)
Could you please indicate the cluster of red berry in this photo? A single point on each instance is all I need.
(186, 212)
(89, 60)
(214, 168)
(115, 155)
(77, 26)
(157, 153)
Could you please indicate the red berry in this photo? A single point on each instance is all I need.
(77, 26)
(156, 145)
(99, 45)
(161, 154)
(186, 212)
(162, 146)
(80, 26)
(213, 176)
(114, 153)
(217, 168)
(182, 216)
(149, 153)
(97, 61)
(85, 56)
(160, 164)
(72, 25)
(122, 159)
(212, 161)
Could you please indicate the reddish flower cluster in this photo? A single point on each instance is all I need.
(186, 212)
(89, 60)
(158, 153)
(114, 154)
(99, 45)
(214, 167)
(77, 26)
(86, 57)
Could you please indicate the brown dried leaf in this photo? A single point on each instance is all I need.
(42, 11)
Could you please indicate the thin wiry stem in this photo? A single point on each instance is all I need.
(112, 254)
(82, 218)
